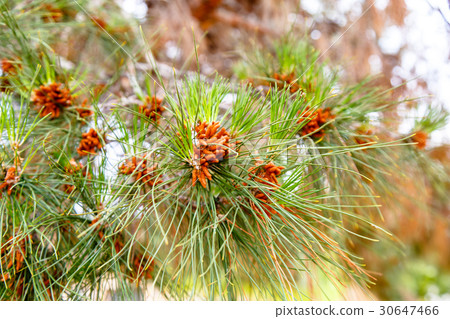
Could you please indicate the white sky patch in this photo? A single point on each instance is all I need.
(78, 209)
(316, 34)
(313, 7)
(114, 155)
(295, 18)
(136, 8)
(427, 56)
(391, 40)
(381, 4)
(374, 118)
(375, 64)
(172, 51)
(229, 98)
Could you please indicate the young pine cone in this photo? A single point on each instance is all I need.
(89, 143)
(211, 147)
(141, 171)
(100, 228)
(10, 180)
(51, 99)
(52, 14)
(152, 108)
(287, 81)
(141, 268)
(99, 23)
(72, 168)
(421, 139)
(8, 67)
(314, 121)
(12, 257)
(84, 110)
(266, 175)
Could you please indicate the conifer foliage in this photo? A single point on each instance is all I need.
(220, 190)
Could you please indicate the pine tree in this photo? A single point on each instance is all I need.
(116, 177)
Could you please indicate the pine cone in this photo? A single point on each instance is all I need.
(51, 99)
(13, 255)
(72, 168)
(287, 82)
(99, 23)
(89, 143)
(211, 147)
(421, 139)
(266, 175)
(152, 108)
(314, 121)
(52, 14)
(140, 170)
(84, 110)
(8, 67)
(10, 180)
(138, 267)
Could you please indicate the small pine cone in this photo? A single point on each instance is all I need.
(366, 139)
(421, 139)
(211, 147)
(13, 256)
(10, 180)
(314, 121)
(267, 175)
(287, 82)
(51, 99)
(8, 67)
(89, 143)
(99, 23)
(141, 171)
(141, 268)
(84, 110)
(52, 14)
(68, 189)
(152, 108)
(73, 167)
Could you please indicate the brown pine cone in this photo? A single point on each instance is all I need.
(10, 180)
(266, 175)
(421, 139)
(141, 171)
(51, 99)
(152, 108)
(89, 143)
(314, 121)
(212, 146)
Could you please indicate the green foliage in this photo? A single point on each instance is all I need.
(283, 207)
